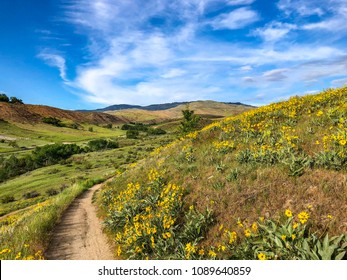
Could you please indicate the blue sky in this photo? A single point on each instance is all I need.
(77, 54)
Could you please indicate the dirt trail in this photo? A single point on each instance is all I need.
(79, 236)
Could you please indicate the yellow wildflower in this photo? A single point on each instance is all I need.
(18, 256)
(303, 217)
(283, 237)
(119, 251)
(288, 213)
(5, 251)
(212, 254)
(293, 236)
(239, 223)
(261, 256)
(247, 233)
(221, 248)
(166, 235)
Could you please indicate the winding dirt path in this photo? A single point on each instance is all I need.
(79, 235)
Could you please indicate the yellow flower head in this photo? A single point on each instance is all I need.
(342, 142)
(119, 251)
(261, 256)
(247, 233)
(212, 254)
(283, 237)
(288, 213)
(255, 227)
(167, 235)
(303, 217)
(221, 248)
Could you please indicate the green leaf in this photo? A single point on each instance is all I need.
(340, 256)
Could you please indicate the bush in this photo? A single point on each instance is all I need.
(102, 144)
(156, 131)
(52, 192)
(52, 121)
(7, 199)
(31, 194)
(132, 134)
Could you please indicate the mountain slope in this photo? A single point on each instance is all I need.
(210, 109)
(23, 113)
(285, 158)
(153, 107)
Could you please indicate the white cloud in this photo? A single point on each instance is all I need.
(240, 2)
(54, 60)
(248, 79)
(302, 7)
(339, 82)
(173, 73)
(274, 31)
(246, 68)
(275, 75)
(236, 19)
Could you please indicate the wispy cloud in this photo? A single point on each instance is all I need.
(240, 2)
(274, 31)
(54, 60)
(236, 19)
(275, 75)
(339, 82)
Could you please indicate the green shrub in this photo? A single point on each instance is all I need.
(7, 199)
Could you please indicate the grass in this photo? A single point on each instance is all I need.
(30, 136)
(78, 167)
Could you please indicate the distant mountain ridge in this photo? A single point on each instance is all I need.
(153, 107)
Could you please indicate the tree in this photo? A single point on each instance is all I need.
(190, 120)
(15, 100)
(4, 98)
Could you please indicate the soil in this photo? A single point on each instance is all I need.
(79, 235)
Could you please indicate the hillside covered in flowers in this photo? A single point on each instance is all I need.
(270, 183)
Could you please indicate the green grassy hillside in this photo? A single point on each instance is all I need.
(209, 109)
(268, 184)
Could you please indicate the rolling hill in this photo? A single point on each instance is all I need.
(265, 184)
(23, 113)
(156, 113)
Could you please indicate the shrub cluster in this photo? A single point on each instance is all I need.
(13, 100)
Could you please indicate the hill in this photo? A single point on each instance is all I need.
(153, 107)
(22, 113)
(156, 113)
(265, 184)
